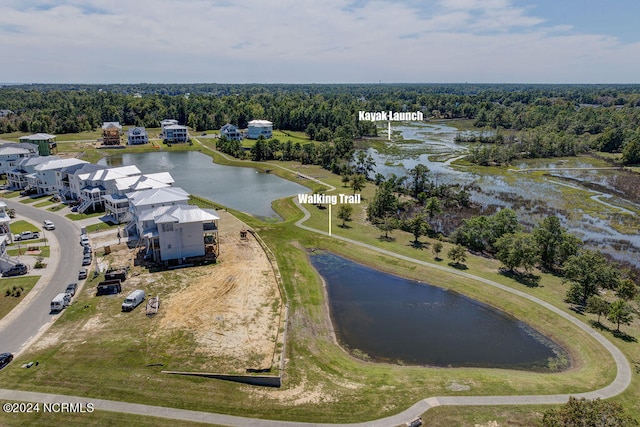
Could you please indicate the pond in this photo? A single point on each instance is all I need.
(600, 216)
(396, 320)
(243, 189)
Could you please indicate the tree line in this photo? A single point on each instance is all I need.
(524, 120)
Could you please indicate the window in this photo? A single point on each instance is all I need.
(167, 227)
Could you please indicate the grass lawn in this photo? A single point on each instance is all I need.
(11, 194)
(79, 216)
(102, 226)
(96, 418)
(21, 225)
(43, 204)
(33, 199)
(23, 284)
(45, 251)
(57, 207)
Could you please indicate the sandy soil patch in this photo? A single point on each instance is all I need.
(233, 309)
(48, 340)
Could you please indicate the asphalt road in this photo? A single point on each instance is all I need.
(32, 316)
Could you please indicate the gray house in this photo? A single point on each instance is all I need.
(137, 135)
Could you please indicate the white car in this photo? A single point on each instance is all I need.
(84, 240)
(48, 225)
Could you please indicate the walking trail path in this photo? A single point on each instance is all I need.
(620, 383)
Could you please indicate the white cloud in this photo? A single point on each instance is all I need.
(300, 41)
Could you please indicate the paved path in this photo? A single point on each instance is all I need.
(620, 383)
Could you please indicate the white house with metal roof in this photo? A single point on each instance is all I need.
(96, 184)
(258, 128)
(178, 233)
(176, 133)
(168, 122)
(45, 179)
(12, 153)
(116, 203)
(17, 177)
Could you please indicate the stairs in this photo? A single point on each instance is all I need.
(84, 206)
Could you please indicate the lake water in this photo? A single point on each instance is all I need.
(396, 320)
(243, 189)
(432, 144)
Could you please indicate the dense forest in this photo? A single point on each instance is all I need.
(517, 120)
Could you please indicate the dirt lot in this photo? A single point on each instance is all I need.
(233, 310)
(230, 311)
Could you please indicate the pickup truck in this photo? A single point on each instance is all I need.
(26, 235)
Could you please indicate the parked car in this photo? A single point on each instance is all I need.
(16, 270)
(48, 225)
(84, 240)
(71, 289)
(60, 301)
(26, 235)
(86, 249)
(133, 300)
(108, 287)
(82, 274)
(86, 260)
(5, 359)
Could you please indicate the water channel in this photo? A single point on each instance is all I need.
(396, 320)
(603, 219)
(243, 189)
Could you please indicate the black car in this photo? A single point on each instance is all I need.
(71, 289)
(5, 359)
(16, 270)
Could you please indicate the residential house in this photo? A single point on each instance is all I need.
(258, 128)
(176, 133)
(45, 180)
(5, 113)
(167, 122)
(111, 133)
(116, 203)
(18, 178)
(12, 153)
(6, 261)
(177, 233)
(67, 179)
(137, 135)
(91, 184)
(231, 132)
(5, 227)
(46, 143)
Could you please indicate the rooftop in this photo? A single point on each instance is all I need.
(37, 137)
(158, 196)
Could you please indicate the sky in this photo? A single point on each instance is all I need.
(320, 41)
